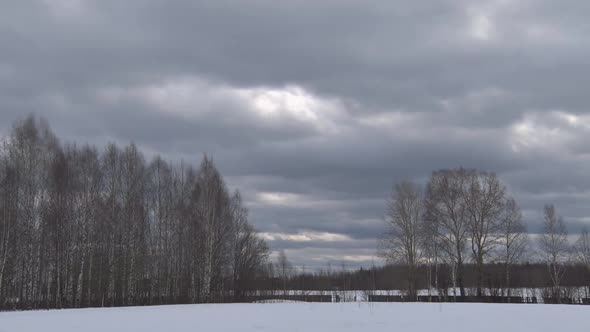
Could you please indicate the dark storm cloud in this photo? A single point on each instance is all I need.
(315, 108)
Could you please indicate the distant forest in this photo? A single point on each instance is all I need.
(88, 227)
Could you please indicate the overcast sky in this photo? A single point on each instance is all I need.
(313, 109)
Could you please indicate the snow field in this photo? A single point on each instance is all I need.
(325, 317)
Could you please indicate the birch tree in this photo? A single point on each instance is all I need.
(249, 252)
(446, 209)
(214, 223)
(283, 268)
(513, 239)
(582, 252)
(485, 198)
(405, 236)
(555, 247)
(8, 221)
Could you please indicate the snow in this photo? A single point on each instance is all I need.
(325, 317)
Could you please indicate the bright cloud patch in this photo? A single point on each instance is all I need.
(305, 237)
(292, 103)
(276, 198)
(193, 97)
(481, 27)
(550, 131)
(348, 258)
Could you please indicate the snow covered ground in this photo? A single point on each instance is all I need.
(325, 317)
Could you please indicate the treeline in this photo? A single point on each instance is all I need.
(81, 227)
(467, 216)
(394, 277)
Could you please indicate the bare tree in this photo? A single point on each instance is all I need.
(249, 252)
(582, 251)
(161, 207)
(447, 213)
(8, 218)
(485, 198)
(88, 245)
(57, 219)
(212, 211)
(555, 247)
(431, 252)
(283, 268)
(110, 236)
(404, 239)
(513, 238)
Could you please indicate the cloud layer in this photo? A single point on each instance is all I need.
(314, 109)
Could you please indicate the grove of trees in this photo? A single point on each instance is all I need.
(82, 227)
(467, 215)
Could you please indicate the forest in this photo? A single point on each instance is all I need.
(81, 227)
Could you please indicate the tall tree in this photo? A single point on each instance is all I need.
(58, 213)
(214, 223)
(111, 235)
(249, 252)
(555, 247)
(446, 209)
(485, 199)
(8, 220)
(161, 208)
(283, 268)
(404, 239)
(582, 251)
(89, 213)
(513, 238)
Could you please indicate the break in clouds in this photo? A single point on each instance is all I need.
(314, 109)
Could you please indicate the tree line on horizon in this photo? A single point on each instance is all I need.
(468, 216)
(82, 228)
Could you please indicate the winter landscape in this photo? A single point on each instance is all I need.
(294, 165)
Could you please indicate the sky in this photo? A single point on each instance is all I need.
(314, 109)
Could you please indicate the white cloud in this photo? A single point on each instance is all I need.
(482, 27)
(293, 103)
(278, 198)
(348, 258)
(550, 132)
(305, 236)
(193, 97)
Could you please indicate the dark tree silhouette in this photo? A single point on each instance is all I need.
(80, 228)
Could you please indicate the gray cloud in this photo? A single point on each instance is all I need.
(314, 109)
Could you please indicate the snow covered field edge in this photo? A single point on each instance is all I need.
(324, 317)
